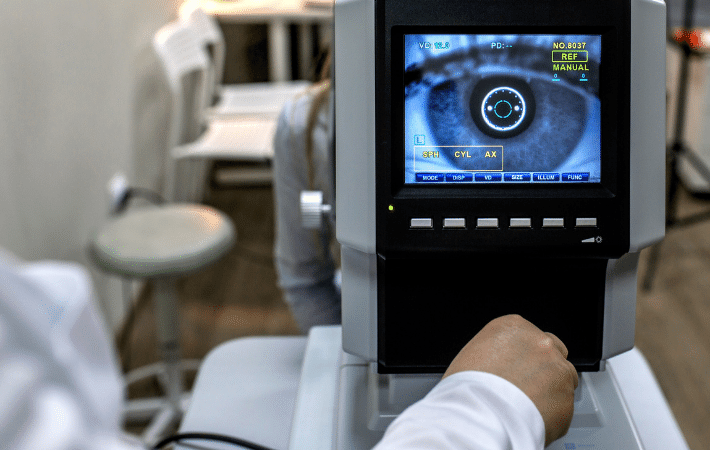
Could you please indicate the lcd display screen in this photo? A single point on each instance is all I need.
(502, 109)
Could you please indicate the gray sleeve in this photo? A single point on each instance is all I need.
(304, 262)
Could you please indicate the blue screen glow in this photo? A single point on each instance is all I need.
(502, 109)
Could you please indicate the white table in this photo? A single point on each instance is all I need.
(277, 14)
(246, 388)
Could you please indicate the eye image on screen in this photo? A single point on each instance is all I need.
(502, 108)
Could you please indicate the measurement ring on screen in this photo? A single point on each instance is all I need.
(503, 108)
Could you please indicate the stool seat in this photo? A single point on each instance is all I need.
(161, 241)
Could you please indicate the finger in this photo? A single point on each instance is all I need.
(559, 345)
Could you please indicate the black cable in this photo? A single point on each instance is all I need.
(210, 437)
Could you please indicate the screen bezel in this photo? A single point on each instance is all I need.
(607, 187)
(396, 203)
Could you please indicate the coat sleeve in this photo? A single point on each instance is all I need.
(471, 411)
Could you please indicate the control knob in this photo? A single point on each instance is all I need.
(313, 209)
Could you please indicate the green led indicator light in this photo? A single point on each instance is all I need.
(391, 208)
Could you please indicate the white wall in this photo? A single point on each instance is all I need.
(78, 102)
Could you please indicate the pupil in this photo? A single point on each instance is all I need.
(503, 109)
(502, 116)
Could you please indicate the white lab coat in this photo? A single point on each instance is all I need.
(468, 411)
(60, 387)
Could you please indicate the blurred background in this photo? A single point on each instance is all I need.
(83, 110)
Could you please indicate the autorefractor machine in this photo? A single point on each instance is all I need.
(492, 157)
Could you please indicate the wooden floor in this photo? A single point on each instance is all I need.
(238, 297)
(673, 323)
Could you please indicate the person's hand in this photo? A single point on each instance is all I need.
(536, 362)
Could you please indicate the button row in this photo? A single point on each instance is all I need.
(468, 177)
(492, 222)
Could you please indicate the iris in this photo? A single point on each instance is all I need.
(476, 95)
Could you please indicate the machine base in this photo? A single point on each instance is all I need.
(601, 419)
(620, 407)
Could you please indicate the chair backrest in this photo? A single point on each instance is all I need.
(186, 67)
(212, 39)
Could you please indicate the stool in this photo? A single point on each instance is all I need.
(161, 243)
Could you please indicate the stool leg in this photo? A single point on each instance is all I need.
(167, 320)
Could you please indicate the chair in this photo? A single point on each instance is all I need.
(159, 244)
(186, 68)
(211, 37)
(163, 242)
(241, 122)
(249, 140)
(263, 100)
(191, 144)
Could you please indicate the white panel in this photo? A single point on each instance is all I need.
(653, 418)
(620, 305)
(648, 122)
(314, 415)
(359, 297)
(355, 123)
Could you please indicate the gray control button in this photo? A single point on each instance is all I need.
(421, 223)
(553, 223)
(455, 223)
(586, 222)
(520, 223)
(487, 223)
